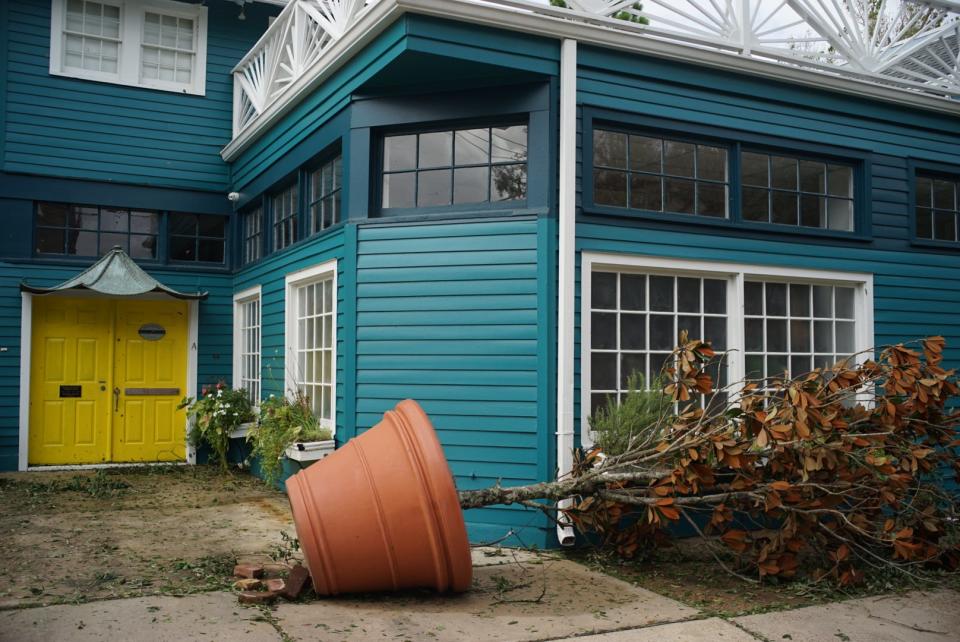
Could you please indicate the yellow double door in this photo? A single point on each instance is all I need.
(106, 379)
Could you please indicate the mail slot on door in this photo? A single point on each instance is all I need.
(151, 392)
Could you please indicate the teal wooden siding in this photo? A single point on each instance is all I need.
(270, 274)
(64, 127)
(214, 352)
(450, 315)
(916, 290)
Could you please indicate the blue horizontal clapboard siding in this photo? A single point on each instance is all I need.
(65, 127)
(214, 351)
(448, 314)
(916, 290)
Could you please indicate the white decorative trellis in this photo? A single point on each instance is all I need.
(910, 44)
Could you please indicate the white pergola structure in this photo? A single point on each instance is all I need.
(912, 45)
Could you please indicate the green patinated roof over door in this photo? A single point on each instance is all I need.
(116, 274)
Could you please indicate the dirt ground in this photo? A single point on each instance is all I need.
(79, 536)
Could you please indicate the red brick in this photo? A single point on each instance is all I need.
(248, 570)
(248, 584)
(275, 584)
(297, 582)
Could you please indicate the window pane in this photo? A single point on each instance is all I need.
(812, 210)
(679, 195)
(508, 182)
(144, 222)
(433, 188)
(753, 334)
(470, 184)
(712, 200)
(633, 332)
(776, 335)
(678, 158)
(603, 371)
(604, 290)
(839, 214)
(924, 192)
(52, 214)
(715, 331)
(756, 205)
(844, 303)
(436, 149)
(183, 224)
(944, 226)
(609, 188)
(210, 250)
(609, 149)
(711, 163)
(840, 181)
(813, 177)
(943, 195)
(603, 331)
(633, 292)
(472, 147)
(661, 293)
(753, 297)
(783, 172)
(399, 152)
(182, 248)
(754, 169)
(50, 241)
(398, 189)
(799, 300)
(632, 364)
(714, 296)
(143, 247)
(645, 192)
(110, 240)
(688, 295)
(208, 225)
(645, 154)
(800, 336)
(776, 299)
(508, 144)
(784, 208)
(112, 220)
(661, 332)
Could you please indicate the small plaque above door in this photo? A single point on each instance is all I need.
(71, 392)
(152, 331)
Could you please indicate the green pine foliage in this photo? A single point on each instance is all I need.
(641, 413)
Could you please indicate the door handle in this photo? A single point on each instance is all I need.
(116, 399)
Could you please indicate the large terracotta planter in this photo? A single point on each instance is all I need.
(381, 513)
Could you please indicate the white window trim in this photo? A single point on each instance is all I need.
(246, 296)
(293, 280)
(132, 14)
(736, 274)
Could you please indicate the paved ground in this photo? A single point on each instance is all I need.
(521, 597)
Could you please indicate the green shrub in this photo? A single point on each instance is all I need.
(639, 416)
(282, 422)
(216, 413)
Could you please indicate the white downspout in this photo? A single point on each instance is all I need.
(566, 274)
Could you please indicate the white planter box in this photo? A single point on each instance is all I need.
(242, 430)
(310, 450)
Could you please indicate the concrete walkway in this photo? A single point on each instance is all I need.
(516, 596)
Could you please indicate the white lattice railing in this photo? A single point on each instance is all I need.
(911, 44)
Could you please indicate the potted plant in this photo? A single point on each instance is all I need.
(215, 415)
(287, 436)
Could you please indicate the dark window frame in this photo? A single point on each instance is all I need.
(419, 129)
(259, 235)
(197, 238)
(736, 141)
(295, 217)
(336, 194)
(916, 168)
(158, 257)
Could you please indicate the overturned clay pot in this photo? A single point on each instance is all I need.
(382, 513)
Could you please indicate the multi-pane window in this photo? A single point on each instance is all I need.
(159, 44)
(635, 323)
(252, 234)
(247, 327)
(81, 230)
(313, 343)
(656, 174)
(796, 191)
(326, 183)
(938, 207)
(761, 325)
(792, 328)
(91, 37)
(168, 49)
(285, 208)
(454, 167)
(197, 237)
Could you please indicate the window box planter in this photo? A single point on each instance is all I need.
(310, 451)
(242, 430)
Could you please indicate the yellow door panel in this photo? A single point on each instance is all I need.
(150, 374)
(70, 381)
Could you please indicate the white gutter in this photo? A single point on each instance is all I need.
(566, 274)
